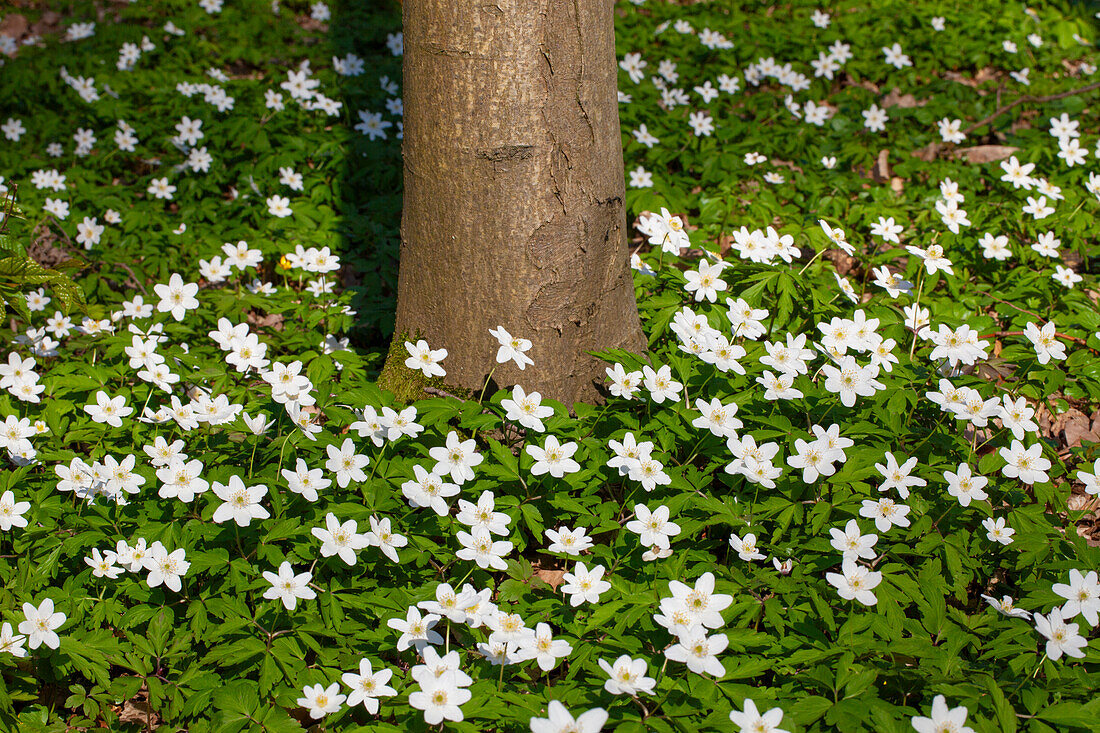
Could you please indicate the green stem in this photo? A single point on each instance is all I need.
(916, 311)
(486, 385)
(812, 260)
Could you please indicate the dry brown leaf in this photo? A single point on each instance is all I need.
(725, 241)
(928, 153)
(1084, 529)
(897, 184)
(552, 578)
(880, 173)
(994, 369)
(48, 22)
(44, 249)
(785, 164)
(983, 75)
(866, 84)
(844, 263)
(14, 25)
(270, 320)
(1074, 428)
(906, 101)
(985, 153)
(138, 711)
(1078, 502)
(309, 24)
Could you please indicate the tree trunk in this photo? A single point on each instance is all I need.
(513, 194)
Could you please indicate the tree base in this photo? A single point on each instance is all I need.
(409, 385)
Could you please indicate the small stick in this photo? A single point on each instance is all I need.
(1030, 98)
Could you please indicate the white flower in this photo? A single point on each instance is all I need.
(478, 545)
(526, 409)
(543, 647)
(1082, 596)
(1037, 207)
(165, 567)
(346, 463)
(1062, 638)
(653, 528)
(554, 458)
(943, 720)
(241, 503)
(278, 206)
(160, 188)
(1066, 276)
(40, 624)
(108, 409)
(965, 486)
(483, 514)
(857, 582)
(700, 603)
(457, 457)
(1006, 608)
(440, 699)
(1046, 343)
(340, 539)
(886, 513)
(416, 630)
(660, 383)
(705, 282)
(996, 530)
(560, 720)
(699, 652)
(852, 543)
(640, 178)
(568, 541)
(287, 586)
(511, 348)
(384, 538)
(649, 472)
(746, 547)
(176, 297)
(12, 643)
(627, 677)
(875, 118)
(1027, 464)
(103, 565)
(623, 384)
(753, 721)
(367, 686)
(425, 359)
(584, 585)
(428, 489)
(1090, 480)
(897, 476)
(319, 700)
(12, 511)
(258, 425)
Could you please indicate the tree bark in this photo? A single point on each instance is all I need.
(513, 193)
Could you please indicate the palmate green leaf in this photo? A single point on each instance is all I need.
(68, 292)
(11, 246)
(23, 270)
(90, 655)
(785, 649)
(1071, 715)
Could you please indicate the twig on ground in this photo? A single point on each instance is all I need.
(1027, 98)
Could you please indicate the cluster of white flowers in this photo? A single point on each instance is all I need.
(854, 360)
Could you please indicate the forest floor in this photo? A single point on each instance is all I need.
(853, 485)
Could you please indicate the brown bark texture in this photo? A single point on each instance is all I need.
(513, 199)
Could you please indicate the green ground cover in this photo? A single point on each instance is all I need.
(856, 471)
